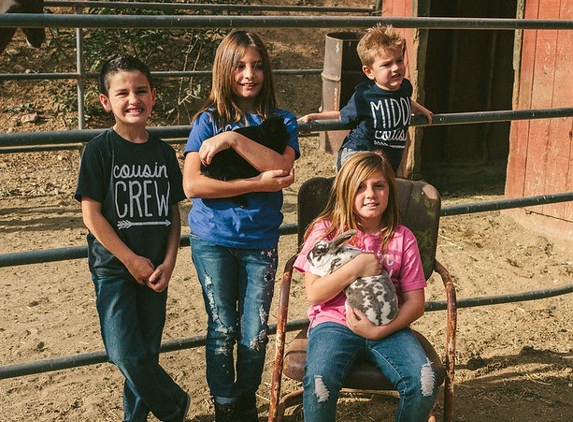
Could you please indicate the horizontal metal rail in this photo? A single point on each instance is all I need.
(158, 74)
(77, 252)
(473, 302)
(68, 362)
(454, 118)
(505, 204)
(181, 132)
(183, 21)
(31, 20)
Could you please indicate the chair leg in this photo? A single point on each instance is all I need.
(289, 400)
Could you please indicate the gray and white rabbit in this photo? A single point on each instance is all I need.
(374, 295)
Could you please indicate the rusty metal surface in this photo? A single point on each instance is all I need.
(280, 338)
(451, 326)
(342, 71)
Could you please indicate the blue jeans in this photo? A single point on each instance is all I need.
(394, 155)
(238, 286)
(131, 320)
(333, 348)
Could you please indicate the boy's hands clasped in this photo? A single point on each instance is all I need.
(145, 274)
(159, 279)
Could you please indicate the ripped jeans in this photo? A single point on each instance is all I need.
(333, 348)
(238, 286)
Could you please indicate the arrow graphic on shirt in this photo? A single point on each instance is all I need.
(126, 224)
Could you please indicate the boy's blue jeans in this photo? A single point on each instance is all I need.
(131, 320)
(394, 155)
(238, 287)
(332, 349)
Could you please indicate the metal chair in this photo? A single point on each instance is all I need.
(420, 208)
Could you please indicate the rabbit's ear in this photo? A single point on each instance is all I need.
(342, 237)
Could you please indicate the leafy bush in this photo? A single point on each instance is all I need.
(161, 49)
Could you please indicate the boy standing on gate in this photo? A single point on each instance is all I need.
(129, 186)
(380, 108)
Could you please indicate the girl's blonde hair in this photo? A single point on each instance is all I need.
(228, 55)
(339, 210)
(376, 40)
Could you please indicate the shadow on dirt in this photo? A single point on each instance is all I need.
(459, 182)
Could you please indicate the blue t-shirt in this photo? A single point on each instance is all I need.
(221, 220)
(382, 117)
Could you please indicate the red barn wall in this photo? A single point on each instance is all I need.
(541, 158)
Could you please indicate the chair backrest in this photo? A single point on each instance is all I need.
(419, 205)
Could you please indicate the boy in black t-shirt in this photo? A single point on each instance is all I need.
(129, 186)
(380, 108)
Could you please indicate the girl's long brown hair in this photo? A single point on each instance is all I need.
(230, 51)
(339, 210)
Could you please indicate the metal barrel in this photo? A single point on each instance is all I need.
(341, 73)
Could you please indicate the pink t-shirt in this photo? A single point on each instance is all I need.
(402, 261)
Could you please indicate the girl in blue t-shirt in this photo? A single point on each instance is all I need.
(234, 248)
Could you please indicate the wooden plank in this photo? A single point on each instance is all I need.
(550, 47)
(398, 8)
(527, 64)
(514, 183)
(541, 97)
(566, 12)
(515, 179)
(519, 136)
(559, 143)
(569, 205)
(519, 133)
(557, 170)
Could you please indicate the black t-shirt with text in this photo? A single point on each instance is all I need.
(137, 184)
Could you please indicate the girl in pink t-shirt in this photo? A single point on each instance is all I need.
(364, 198)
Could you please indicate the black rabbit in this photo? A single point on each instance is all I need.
(229, 165)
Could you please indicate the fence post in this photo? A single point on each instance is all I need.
(81, 73)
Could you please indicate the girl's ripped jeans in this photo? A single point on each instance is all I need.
(238, 287)
(333, 348)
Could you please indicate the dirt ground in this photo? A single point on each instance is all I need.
(514, 361)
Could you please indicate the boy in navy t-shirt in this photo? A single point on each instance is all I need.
(380, 108)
